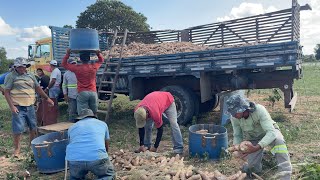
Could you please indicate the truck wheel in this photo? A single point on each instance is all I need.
(209, 105)
(184, 103)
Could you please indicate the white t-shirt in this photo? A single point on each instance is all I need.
(56, 73)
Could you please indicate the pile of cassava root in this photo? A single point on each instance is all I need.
(150, 165)
(141, 49)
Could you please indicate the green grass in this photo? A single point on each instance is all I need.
(309, 85)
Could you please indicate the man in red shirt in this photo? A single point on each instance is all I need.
(148, 112)
(86, 76)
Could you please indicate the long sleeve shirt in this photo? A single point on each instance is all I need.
(156, 103)
(85, 73)
(69, 85)
(257, 127)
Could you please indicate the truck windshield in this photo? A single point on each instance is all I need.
(43, 50)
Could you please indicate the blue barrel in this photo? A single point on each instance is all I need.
(207, 144)
(83, 39)
(49, 151)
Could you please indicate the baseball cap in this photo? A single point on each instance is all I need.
(140, 115)
(237, 104)
(54, 62)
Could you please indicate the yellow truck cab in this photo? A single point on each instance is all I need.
(40, 54)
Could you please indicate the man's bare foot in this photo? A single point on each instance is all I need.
(16, 154)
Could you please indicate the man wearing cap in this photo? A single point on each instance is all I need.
(86, 76)
(149, 112)
(252, 122)
(69, 88)
(55, 80)
(20, 89)
(88, 148)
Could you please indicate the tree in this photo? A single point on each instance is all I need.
(3, 53)
(4, 62)
(68, 26)
(317, 51)
(112, 14)
(308, 58)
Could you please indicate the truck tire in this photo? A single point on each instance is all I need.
(209, 105)
(184, 103)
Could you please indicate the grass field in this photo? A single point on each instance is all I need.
(300, 128)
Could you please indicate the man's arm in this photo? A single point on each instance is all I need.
(66, 65)
(65, 88)
(158, 139)
(44, 95)
(9, 101)
(106, 142)
(266, 123)
(51, 83)
(237, 132)
(141, 138)
(100, 59)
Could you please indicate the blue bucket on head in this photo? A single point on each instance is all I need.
(83, 39)
(210, 144)
(49, 151)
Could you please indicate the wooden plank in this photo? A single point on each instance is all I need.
(62, 126)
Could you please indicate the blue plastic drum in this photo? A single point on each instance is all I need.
(83, 39)
(49, 151)
(207, 140)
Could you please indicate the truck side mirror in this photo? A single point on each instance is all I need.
(30, 51)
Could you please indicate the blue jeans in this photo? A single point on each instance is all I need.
(87, 100)
(26, 114)
(72, 109)
(54, 92)
(176, 137)
(102, 168)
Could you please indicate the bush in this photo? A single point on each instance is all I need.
(4, 65)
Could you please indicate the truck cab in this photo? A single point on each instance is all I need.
(40, 54)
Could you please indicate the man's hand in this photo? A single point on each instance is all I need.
(252, 148)
(66, 98)
(98, 52)
(68, 51)
(153, 149)
(50, 102)
(141, 149)
(14, 110)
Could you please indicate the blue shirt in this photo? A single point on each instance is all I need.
(2, 77)
(87, 140)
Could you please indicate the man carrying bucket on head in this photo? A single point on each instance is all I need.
(148, 112)
(20, 92)
(86, 76)
(252, 122)
(88, 148)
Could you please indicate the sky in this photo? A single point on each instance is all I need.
(23, 22)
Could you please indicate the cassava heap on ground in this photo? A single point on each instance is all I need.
(150, 165)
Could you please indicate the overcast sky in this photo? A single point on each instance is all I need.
(23, 22)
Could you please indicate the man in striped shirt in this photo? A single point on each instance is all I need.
(20, 93)
(69, 88)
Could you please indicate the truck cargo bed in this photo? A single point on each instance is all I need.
(246, 57)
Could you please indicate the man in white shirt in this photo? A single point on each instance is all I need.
(55, 80)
